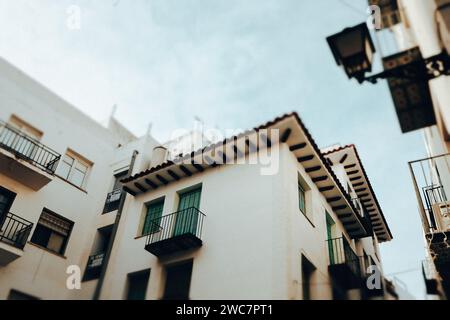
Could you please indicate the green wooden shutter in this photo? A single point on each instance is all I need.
(153, 217)
(330, 224)
(301, 198)
(187, 215)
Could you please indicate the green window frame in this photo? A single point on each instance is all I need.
(301, 198)
(330, 225)
(187, 215)
(153, 217)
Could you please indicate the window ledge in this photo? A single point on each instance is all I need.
(145, 235)
(72, 184)
(110, 212)
(48, 250)
(309, 220)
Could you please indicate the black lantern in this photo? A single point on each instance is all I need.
(353, 48)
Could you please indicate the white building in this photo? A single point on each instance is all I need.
(424, 26)
(53, 185)
(216, 230)
(263, 215)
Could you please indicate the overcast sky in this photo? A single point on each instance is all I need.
(235, 64)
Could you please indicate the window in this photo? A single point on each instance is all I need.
(17, 295)
(102, 239)
(189, 199)
(52, 232)
(112, 202)
(187, 214)
(117, 177)
(98, 253)
(303, 199)
(21, 137)
(74, 169)
(331, 234)
(25, 128)
(6, 200)
(178, 281)
(153, 217)
(137, 285)
(307, 273)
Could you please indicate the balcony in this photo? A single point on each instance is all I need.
(429, 276)
(94, 267)
(364, 216)
(112, 201)
(431, 177)
(176, 232)
(24, 159)
(14, 232)
(345, 266)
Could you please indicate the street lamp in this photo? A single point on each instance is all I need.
(353, 49)
(407, 72)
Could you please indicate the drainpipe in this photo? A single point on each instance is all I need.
(101, 279)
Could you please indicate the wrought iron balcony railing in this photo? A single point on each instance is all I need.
(341, 253)
(364, 216)
(96, 260)
(431, 178)
(94, 266)
(366, 262)
(112, 200)
(359, 206)
(180, 230)
(27, 148)
(14, 230)
(430, 277)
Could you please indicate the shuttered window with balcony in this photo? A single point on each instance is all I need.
(153, 217)
(187, 216)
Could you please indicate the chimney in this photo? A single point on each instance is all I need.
(159, 155)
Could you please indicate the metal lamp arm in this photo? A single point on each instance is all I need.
(426, 69)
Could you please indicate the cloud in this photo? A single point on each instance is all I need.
(233, 63)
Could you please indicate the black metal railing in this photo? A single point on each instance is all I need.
(366, 262)
(430, 277)
(94, 266)
(95, 261)
(431, 177)
(364, 216)
(340, 252)
(15, 230)
(186, 221)
(27, 148)
(358, 205)
(112, 200)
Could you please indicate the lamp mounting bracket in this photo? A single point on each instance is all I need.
(425, 69)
